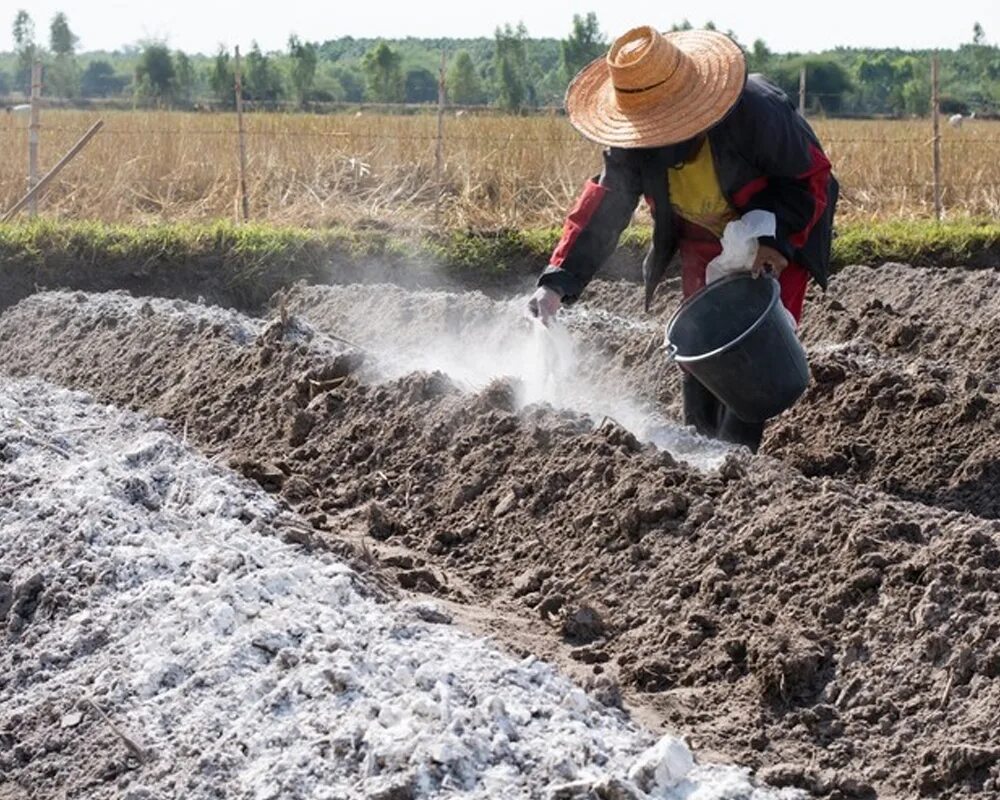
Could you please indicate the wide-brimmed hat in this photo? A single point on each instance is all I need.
(655, 89)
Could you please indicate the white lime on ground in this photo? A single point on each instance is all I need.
(245, 667)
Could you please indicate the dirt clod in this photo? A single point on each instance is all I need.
(381, 524)
(583, 625)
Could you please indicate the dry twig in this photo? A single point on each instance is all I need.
(132, 746)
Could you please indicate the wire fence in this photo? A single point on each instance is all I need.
(568, 139)
(450, 169)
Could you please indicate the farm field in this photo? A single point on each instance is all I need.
(308, 508)
(823, 614)
(498, 171)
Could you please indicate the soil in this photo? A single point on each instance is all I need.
(905, 394)
(825, 612)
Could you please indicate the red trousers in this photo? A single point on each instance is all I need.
(698, 246)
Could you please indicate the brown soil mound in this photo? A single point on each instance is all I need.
(843, 640)
(929, 433)
(905, 392)
(951, 316)
(906, 381)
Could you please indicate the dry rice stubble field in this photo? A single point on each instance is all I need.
(499, 171)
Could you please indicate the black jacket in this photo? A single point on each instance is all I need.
(766, 157)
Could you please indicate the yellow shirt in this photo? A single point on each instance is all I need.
(695, 193)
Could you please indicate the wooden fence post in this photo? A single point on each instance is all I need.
(244, 198)
(936, 115)
(802, 90)
(39, 188)
(439, 149)
(33, 126)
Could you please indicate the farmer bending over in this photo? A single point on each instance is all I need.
(687, 129)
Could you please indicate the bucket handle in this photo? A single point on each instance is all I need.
(671, 351)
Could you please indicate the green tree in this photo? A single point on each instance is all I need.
(420, 86)
(384, 74)
(23, 30)
(685, 25)
(222, 78)
(827, 81)
(155, 73)
(916, 97)
(759, 57)
(63, 76)
(304, 58)
(978, 34)
(911, 92)
(350, 83)
(185, 76)
(100, 80)
(876, 78)
(24, 48)
(261, 81)
(973, 73)
(510, 66)
(584, 44)
(463, 82)
(62, 41)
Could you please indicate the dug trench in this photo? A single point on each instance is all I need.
(826, 613)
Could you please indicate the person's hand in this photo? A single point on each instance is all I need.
(768, 259)
(544, 304)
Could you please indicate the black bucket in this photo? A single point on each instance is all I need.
(737, 339)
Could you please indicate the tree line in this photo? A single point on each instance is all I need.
(509, 70)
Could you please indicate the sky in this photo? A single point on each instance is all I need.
(199, 26)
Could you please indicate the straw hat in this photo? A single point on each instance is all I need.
(655, 89)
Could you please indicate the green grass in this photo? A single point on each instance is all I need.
(245, 264)
(961, 242)
(94, 243)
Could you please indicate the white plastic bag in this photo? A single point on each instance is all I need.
(739, 244)
(739, 248)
